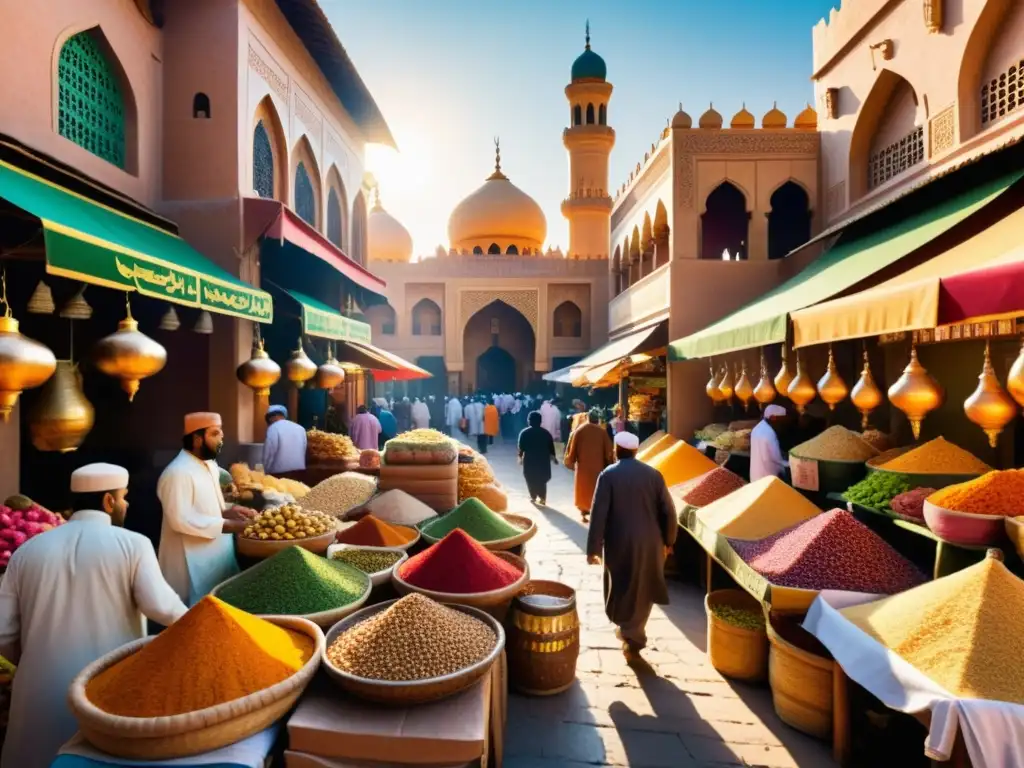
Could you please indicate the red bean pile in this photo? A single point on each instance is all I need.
(830, 551)
(911, 503)
(711, 486)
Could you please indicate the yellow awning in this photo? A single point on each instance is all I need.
(909, 301)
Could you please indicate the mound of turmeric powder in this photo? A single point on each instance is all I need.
(994, 493)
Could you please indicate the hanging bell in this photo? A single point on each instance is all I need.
(831, 387)
(329, 374)
(24, 364)
(989, 406)
(916, 393)
(1015, 378)
(725, 384)
(259, 372)
(711, 388)
(801, 388)
(62, 415)
(764, 392)
(129, 355)
(204, 323)
(299, 369)
(170, 321)
(41, 301)
(744, 390)
(866, 396)
(783, 378)
(77, 308)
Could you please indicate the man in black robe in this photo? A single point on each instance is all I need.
(536, 454)
(633, 523)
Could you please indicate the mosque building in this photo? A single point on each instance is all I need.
(495, 310)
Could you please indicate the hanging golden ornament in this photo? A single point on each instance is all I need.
(725, 384)
(129, 355)
(259, 372)
(24, 363)
(62, 415)
(989, 406)
(866, 396)
(41, 301)
(170, 321)
(801, 388)
(783, 378)
(204, 323)
(831, 387)
(299, 369)
(1015, 378)
(329, 374)
(916, 393)
(77, 308)
(764, 392)
(744, 390)
(712, 386)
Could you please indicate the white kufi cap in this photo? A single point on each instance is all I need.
(277, 409)
(774, 410)
(627, 440)
(99, 478)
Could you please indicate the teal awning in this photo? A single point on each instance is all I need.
(321, 321)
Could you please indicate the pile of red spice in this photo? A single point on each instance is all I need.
(371, 532)
(832, 550)
(460, 565)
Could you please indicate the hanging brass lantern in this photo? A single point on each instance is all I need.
(831, 387)
(329, 374)
(764, 392)
(1015, 378)
(801, 389)
(933, 16)
(129, 355)
(989, 406)
(204, 323)
(712, 386)
(62, 415)
(725, 384)
(916, 393)
(866, 396)
(77, 308)
(783, 378)
(41, 301)
(744, 390)
(259, 372)
(170, 321)
(24, 363)
(299, 369)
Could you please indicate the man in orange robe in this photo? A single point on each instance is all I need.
(589, 451)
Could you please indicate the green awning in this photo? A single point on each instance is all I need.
(846, 264)
(90, 242)
(321, 321)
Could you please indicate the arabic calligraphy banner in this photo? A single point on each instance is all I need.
(329, 325)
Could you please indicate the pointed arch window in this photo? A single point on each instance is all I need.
(478, 251)
(577, 115)
(590, 114)
(334, 217)
(91, 104)
(305, 199)
(602, 115)
(494, 250)
(262, 162)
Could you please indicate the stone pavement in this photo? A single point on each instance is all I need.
(677, 713)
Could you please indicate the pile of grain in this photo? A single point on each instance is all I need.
(400, 508)
(994, 493)
(757, 510)
(836, 443)
(938, 457)
(339, 493)
(707, 488)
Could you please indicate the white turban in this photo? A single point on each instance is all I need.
(627, 440)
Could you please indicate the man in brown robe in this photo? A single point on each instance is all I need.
(634, 525)
(589, 451)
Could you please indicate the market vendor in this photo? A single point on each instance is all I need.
(284, 449)
(766, 457)
(196, 549)
(70, 597)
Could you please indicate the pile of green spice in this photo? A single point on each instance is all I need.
(878, 489)
(476, 519)
(367, 560)
(744, 618)
(295, 582)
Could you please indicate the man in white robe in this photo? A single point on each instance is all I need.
(70, 596)
(765, 454)
(551, 419)
(420, 415)
(452, 416)
(196, 548)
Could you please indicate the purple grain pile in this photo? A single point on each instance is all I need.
(711, 486)
(911, 503)
(830, 551)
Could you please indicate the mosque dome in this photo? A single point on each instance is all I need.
(499, 212)
(681, 119)
(742, 119)
(774, 118)
(588, 65)
(807, 120)
(387, 239)
(710, 119)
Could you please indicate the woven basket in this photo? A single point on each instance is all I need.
(543, 642)
(167, 738)
(801, 680)
(259, 549)
(495, 602)
(403, 694)
(404, 547)
(736, 652)
(380, 577)
(528, 526)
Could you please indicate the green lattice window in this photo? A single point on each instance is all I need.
(91, 104)
(334, 218)
(305, 198)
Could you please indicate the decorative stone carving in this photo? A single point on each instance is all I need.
(524, 301)
(307, 114)
(277, 83)
(336, 148)
(942, 132)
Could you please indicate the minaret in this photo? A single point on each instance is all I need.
(589, 141)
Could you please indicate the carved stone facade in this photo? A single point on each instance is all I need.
(942, 131)
(526, 301)
(307, 114)
(260, 65)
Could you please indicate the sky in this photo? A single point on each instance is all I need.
(451, 75)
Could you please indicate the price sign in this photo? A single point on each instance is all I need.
(804, 472)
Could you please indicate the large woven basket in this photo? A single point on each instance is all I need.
(167, 738)
(323, 619)
(528, 526)
(408, 693)
(495, 602)
(800, 678)
(736, 652)
(260, 549)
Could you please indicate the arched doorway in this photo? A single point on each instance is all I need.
(498, 347)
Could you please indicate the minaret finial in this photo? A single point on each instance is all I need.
(588, 34)
(376, 195)
(497, 154)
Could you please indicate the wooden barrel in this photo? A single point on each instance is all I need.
(736, 652)
(800, 674)
(543, 638)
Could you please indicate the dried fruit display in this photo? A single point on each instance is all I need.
(476, 480)
(288, 523)
(738, 440)
(246, 479)
(369, 458)
(710, 432)
(19, 525)
(328, 446)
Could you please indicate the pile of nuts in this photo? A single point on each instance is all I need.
(288, 523)
(414, 639)
(368, 560)
(330, 447)
(339, 493)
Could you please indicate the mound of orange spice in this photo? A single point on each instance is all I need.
(994, 493)
(371, 532)
(213, 654)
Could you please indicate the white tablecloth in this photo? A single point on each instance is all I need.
(251, 753)
(993, 730)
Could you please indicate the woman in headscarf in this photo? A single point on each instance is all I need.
(536, 454)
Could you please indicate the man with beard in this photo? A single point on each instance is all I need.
(196, 549)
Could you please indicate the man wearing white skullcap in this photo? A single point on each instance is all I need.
(70, 596)
(633, 526)
(765, 453)
(284, 448)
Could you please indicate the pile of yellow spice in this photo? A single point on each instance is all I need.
(937, 457)
(994, 493)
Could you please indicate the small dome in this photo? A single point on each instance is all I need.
(710, 119)
(588, 65)
(387, 239)
(807, 120)
(742, 119)
(681, 119)
(774, 118)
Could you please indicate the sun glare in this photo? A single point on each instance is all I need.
(399, 172)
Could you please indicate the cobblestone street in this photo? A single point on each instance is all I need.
(679, 712)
